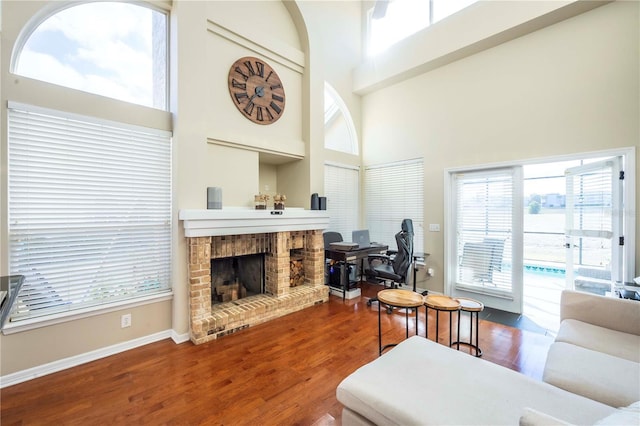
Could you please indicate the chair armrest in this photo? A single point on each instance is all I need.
(608, 312)
(376, 256)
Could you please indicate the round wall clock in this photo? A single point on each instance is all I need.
(256, 90)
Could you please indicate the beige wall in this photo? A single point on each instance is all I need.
(214, 145)
(571, 87)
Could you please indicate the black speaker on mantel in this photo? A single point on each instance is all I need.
(315, 201)
(323, 203)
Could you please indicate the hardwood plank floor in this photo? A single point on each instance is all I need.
(284, 372)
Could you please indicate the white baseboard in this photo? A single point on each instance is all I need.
(179, 338)
(73, 361)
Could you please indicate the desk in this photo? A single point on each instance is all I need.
(11, 284)
(352, 256)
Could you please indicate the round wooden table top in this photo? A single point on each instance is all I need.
(470, 305)
(400, 298)
(441, 302)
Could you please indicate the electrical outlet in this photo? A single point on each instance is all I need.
(125, 321)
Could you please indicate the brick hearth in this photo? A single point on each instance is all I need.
(208, 323)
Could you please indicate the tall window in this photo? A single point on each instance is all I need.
(341, 189)
(89, 211)
(113, 49)
(394, 192)
(392, 21)
(339, 131)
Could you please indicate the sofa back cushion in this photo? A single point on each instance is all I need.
(608, 312)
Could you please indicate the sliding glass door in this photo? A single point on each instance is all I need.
(506, 231)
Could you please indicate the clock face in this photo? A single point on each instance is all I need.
(256, 90)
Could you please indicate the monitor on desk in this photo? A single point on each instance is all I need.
(361, 237)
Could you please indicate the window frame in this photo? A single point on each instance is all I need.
(341, 108)
(138, 298)
(52, 8)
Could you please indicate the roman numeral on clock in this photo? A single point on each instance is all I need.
(249, 108)
(275, 107)
(249, 68)
(239, 71)
(238, 85)
(271, 117)
(239, 96)
(277, 98)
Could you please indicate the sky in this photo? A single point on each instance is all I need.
(114, 61)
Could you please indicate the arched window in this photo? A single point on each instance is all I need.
(389, 22)
(339, 131)
(113, 49)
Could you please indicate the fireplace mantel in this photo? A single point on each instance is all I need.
(238, 221)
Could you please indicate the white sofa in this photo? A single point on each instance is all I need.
(597, 350)
(420, 382)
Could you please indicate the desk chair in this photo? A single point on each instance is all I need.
(395, 265)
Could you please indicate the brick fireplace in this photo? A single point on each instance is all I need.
(217, 234)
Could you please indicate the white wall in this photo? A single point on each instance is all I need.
(570, 87)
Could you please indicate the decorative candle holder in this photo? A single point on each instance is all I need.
(278, 202)
(260, 201)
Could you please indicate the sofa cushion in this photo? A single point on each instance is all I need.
(595, 375)
(600, 339)
(532, 417)
(422, 382)
(623, 416)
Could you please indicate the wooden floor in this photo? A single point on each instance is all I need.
(284, 372)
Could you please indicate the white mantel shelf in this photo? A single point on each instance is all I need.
(238, 221)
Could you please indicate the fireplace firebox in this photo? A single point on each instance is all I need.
(236, 277)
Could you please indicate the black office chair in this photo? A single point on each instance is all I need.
(394, 266)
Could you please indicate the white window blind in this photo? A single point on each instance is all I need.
(394, 192)
(341, 189)
(484, 217)
(594, 220)
(89, 211)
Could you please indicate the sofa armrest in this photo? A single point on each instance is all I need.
(608, 312)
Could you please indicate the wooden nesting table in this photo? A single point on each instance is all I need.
(473, 307)
(439, 303)
(397, 298)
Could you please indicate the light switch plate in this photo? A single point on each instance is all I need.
(434, 227)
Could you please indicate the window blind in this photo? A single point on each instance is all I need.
(89, 211)
(393, 192)
(484, 216)
(590, 196)
(341, 187)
